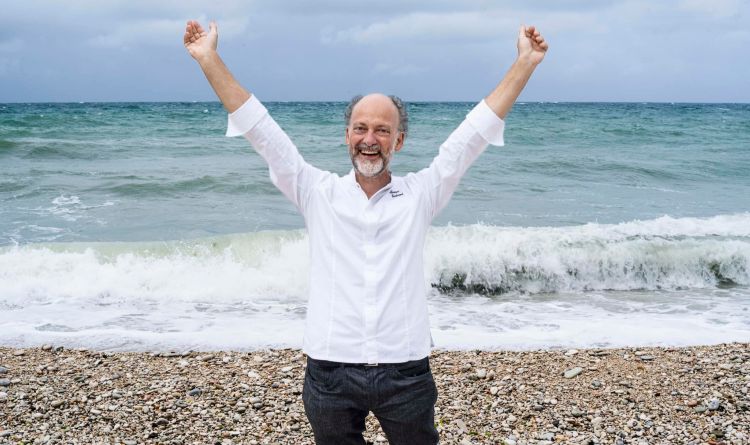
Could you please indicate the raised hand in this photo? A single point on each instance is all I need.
(198, 42)
(531, 44)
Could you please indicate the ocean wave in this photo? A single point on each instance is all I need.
(661, 254)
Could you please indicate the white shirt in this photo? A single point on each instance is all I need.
(368, 297)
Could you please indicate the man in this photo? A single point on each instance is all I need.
(367, 334)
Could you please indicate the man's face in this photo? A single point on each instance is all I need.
(373, 135)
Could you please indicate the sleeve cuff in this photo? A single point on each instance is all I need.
(245, 117)
(487, 123)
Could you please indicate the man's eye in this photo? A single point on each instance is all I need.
(360, 129)
(384, 131)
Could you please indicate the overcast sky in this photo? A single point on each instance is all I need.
(131, 50)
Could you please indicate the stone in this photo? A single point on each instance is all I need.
(573, 372)
(462, 426)
(4, 382)
(575, 412)
(481, 373)
(195, 392)
(714, 404)
(3, 370)
(161, 422)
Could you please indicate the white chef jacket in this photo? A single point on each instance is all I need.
(367, 295)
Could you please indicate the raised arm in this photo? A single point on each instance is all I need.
(531, 51)
(202, 46)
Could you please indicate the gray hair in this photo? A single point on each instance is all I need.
(403, 113)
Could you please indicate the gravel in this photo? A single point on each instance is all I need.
(693, 395)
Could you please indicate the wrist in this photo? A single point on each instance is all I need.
(525, 60)
(207, 58)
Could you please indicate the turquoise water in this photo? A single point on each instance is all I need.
(162, 171)
(139, 225)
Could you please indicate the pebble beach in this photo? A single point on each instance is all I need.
(686, 395)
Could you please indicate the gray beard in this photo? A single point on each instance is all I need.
(369, 169)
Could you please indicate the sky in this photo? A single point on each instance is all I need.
(436, 50)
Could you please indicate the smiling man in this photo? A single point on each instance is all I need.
(367, 334)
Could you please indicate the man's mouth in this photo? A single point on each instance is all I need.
(369, 152)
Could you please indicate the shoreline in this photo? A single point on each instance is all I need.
(652, 395)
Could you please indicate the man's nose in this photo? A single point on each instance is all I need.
(370, 138)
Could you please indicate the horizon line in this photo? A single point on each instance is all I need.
(405, 100)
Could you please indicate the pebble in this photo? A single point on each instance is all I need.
(462, 426)
(19, 352)
(575, 412)
(46, 347)
(3, 370)
(481, 373)
(647, 358)
(570, 373)
(4, 382)
(195, 392)
(526, 405)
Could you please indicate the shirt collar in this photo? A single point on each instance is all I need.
(351, 179)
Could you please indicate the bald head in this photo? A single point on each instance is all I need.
(388, 107)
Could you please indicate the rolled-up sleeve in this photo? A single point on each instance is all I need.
(480, 128)
(487, 123)
(245, 117)
(288, 170)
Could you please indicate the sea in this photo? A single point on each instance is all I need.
(140, 227)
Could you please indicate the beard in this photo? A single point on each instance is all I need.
(368, 166)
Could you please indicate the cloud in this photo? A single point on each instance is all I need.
(465, 26)
(422, 26)
(160, 32)
(11, 46)
(719, 9)
(399, 69)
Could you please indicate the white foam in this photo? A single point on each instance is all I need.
(567, 286)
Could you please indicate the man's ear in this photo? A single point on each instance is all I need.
(346, 136)
(400, 141)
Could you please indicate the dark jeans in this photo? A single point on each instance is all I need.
(339, 396)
